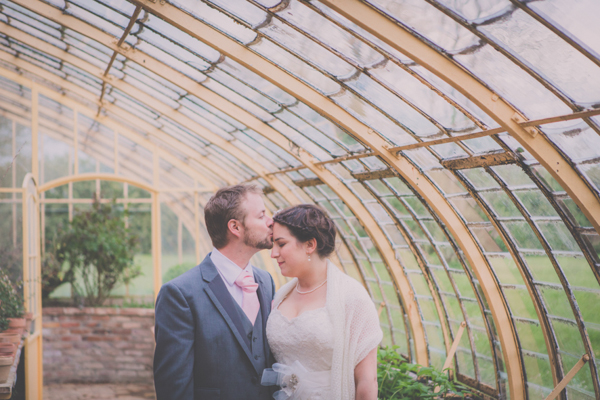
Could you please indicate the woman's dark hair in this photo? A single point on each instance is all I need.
(307, 221)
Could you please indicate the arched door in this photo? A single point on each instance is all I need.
(32, 288)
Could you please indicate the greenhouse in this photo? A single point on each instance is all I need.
(455, 143)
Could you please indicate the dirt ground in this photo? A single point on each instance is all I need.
(70, 391)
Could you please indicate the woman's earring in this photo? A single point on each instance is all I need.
(309, 257)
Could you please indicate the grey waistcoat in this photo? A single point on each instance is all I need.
(255, 335)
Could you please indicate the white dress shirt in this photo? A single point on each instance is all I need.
(229, 272)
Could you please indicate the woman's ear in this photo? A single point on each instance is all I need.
(311, 246)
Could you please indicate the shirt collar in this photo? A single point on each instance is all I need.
(228, 269)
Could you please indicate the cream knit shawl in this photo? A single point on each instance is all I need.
(355, 322)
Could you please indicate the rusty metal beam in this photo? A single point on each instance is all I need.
(367, 176)
(485, 160)
(474, 135)
(136, 13)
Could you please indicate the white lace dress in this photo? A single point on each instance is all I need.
(328, 342)
(308, 339)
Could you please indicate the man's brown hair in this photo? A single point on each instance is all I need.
(224, 206)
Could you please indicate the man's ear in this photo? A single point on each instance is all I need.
(235, 228)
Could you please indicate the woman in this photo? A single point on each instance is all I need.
(323, 329)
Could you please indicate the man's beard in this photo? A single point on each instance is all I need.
(261, 244)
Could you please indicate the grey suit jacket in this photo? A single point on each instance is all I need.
(201, 350)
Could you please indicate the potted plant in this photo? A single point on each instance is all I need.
(11, 308)
(5, 364)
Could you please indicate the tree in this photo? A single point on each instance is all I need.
(99, 250)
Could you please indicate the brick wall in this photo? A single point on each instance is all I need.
(98, 345)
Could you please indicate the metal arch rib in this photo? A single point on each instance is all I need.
(342, 191)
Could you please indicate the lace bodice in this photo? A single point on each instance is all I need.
(308, 338)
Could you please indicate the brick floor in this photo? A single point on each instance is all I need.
(83, 391)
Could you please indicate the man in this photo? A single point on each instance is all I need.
(211, 321)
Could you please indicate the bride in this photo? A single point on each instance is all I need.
(323, 329)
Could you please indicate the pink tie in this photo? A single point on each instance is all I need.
(250, 303)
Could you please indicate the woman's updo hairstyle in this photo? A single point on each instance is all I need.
(307, 221)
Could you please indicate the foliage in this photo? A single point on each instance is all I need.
(12, 258)
(398, 379)
(176, 270)
(99, 250)
(3, 323)
(12, 300)
(53, 274)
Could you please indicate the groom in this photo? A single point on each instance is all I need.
(211, 321)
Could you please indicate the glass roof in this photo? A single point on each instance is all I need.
(371, 133)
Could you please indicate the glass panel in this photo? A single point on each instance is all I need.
(409, 87)
(548, 54)
(574, 18)
(512, 82)
(296, 66)
(429, 22)
(308, 50)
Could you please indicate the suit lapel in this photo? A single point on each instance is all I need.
(220, 296)
(265, 309)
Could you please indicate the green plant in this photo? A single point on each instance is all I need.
(176, 270)
(398, 379)
(3, 323)
(99, 250)
(12, 301)
(53, 274)
(12, 259)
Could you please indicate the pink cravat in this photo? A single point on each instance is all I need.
(250, 303)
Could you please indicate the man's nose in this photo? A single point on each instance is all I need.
(269, 222)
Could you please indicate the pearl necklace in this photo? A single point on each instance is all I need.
(310, 291)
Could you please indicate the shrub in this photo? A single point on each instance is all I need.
(12, 260)
(398, 379)
(176, 270)
(99, 251)
(12, 301)
(53, 274)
